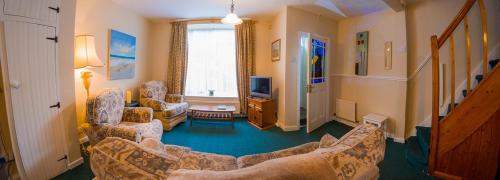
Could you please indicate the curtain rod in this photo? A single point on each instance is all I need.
(203, 20)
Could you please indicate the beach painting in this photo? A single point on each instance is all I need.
(121, 55)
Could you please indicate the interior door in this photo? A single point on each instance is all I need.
(44, 11)
(32, 66)
(317, 87)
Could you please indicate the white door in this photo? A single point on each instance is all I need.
(317, 82)
(43, 11)
(32, 66)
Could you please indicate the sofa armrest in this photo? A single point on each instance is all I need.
(157, 105)
(137, 114)
(174, 98)
(106, 130)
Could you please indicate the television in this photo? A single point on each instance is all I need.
(260, 86)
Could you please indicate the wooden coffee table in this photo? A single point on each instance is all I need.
(202, 112)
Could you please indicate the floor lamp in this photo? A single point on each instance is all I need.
(86, 57)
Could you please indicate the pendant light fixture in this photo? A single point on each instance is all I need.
(232, 18)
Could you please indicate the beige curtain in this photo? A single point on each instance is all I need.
(177, 62)
(245, 57)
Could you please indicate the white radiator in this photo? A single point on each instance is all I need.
(346, 110)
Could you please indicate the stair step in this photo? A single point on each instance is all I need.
(493, 63)
(449, 108)
(414, 155)
(479, 78)
(424, 138)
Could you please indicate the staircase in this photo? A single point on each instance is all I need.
(463, 140)
(418, 148)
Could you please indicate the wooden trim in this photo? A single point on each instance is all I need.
(435, 103)
(446, 175)
(456, 21)
(452, 73)
(484, 22)
(467, 53)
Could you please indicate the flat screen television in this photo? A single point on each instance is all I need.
(260, 86)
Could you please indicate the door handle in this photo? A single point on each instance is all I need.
(58, 105)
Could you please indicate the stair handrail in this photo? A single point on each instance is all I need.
(436, 44)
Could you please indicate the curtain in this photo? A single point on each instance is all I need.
(177, 62)
(245, 57)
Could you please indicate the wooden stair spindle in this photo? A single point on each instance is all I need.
(484, 23)
(452, 73)
(467, 53)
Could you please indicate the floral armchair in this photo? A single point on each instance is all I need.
(170, 109)
(107, 116)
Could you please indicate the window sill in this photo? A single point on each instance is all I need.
(212, 99)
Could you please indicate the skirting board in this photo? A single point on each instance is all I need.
(287, 128)
(75, 163)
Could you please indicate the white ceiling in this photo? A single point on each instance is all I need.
(184, 9)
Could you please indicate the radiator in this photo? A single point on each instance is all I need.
(346, 110)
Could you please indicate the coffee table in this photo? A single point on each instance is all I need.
(205, 112)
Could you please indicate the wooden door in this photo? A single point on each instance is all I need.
(32, 70)
(317, 79)
(44, 11)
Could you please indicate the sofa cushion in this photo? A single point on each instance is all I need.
(154, 129)
(250, 160)
(327, 141)
(174, 109)
(206, 161)
(153, 89)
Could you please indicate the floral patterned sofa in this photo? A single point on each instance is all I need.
(169, 108)
(107, 116)
(354, 156)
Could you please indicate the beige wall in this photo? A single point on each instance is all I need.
(97, 17)
(67, 87)
(428, 18)
(382, 91)
(159, 48)
(278, 31)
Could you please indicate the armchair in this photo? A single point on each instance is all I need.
(170, 109)
(107, 116)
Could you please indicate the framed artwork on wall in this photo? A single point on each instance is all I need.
(361, 66)
(121, 64)
(276, 50)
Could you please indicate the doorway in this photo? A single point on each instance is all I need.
(313, 85)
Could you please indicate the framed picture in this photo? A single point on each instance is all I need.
(121, 64)
(276, 50)
(361, 66)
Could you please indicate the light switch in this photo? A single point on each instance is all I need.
(388, 55)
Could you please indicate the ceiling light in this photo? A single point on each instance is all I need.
(232, 18)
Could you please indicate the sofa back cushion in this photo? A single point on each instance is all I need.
(106, 107)
(153, 89)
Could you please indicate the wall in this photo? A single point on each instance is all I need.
(420, 29)
(97, 17)
(278, 68)
(67, 87)
(382, 91)
(159, 48)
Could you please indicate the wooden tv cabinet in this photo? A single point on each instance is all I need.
(261, 113)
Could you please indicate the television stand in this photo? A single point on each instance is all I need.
(261, 112)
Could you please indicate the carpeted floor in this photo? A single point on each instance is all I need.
(244, 139)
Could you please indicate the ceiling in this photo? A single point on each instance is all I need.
(186, 9)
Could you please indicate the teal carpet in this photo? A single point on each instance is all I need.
(244, 139)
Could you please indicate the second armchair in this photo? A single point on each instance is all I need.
(169, 108)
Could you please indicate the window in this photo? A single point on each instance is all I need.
(211, 61)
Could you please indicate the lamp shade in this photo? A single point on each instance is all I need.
(85, 53)
(232, 18)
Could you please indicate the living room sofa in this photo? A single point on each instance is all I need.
(354, 156)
